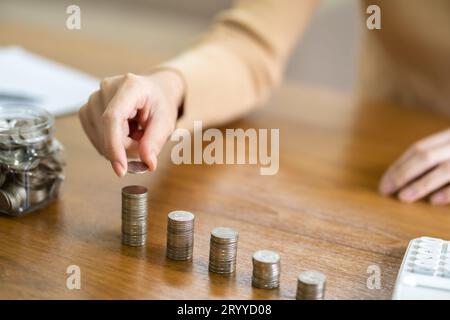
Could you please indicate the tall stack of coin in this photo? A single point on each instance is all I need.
(134, 215)
(223, 250)
(180, 235)
(311, 285)
(266, 269)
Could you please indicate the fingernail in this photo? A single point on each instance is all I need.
(408, 195)
(154, 160)
(437, 199)
(118, 168)
(386, 187)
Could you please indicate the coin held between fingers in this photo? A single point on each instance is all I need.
(137, 167)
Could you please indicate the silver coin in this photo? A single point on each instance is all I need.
(37, 196)
(137, 167)
(224, 233)
(134, 240)
(3, 174)
(5, 201)
(181, 216)
(266, 256)
(133, 191)
(312, 278)
(311, 285)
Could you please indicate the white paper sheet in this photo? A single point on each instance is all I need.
(53, 86)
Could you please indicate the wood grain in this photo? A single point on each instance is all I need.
(321, 211)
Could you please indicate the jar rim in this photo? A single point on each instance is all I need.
(15, 110)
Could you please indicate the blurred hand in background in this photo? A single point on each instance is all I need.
(423, 170)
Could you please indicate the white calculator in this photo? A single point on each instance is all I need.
(425, 271)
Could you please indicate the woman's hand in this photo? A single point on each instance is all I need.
(132, 116)
(423, 170)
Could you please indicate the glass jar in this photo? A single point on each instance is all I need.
(31, 160)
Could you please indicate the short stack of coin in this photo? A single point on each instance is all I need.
(12, 198)
(311, 285)
(266, 269)
(134, 215)
(223, 250)
(180, 235)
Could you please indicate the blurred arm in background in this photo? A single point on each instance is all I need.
(236, 64)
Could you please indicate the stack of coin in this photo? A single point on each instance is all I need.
(180, 235)
(12, 198)
(223, 250)
(134, 215)
(266, 269)
(3, 174)
(311, 285)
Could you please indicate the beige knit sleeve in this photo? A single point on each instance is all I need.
(235, 65)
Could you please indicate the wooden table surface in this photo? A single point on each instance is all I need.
(321, 211)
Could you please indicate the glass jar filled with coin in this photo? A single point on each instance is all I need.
(31, 159)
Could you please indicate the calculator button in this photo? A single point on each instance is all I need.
(427, 257)
(431, 240)
(430, 246)
(415, 244)
(434, 262)
(424, 267)
(446, 271)
(428, 251)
